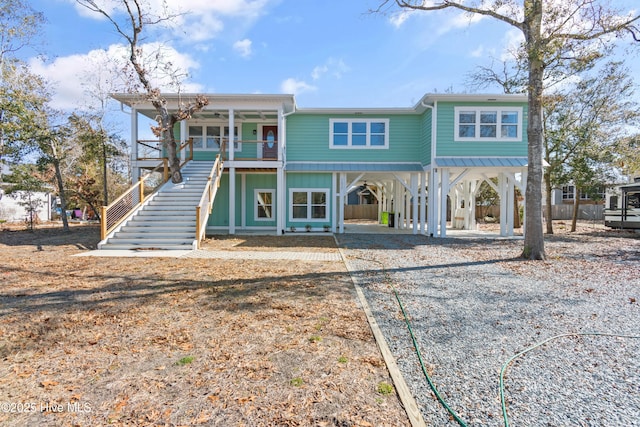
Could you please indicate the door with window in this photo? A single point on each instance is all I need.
(270, 142)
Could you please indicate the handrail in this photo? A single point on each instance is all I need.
(112, 215)
(204, 207)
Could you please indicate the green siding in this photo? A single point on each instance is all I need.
(308, 139)
(309, 180)
(263, 182)
(220, 213)
(425, 153)
(446, 146)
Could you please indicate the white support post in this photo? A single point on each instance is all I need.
(504, 202)
(281, 197)
(341, 201)
(444, 192)
(423, 200)
(432, 207)
(232, 200)
(335, 191)
(415, 201)
(243, 201)
(135, 170)
(232, 134)
(510, 208)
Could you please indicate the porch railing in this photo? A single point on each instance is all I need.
(111, 216)
(203, 210)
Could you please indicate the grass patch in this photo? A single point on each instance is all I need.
(185, 361)
(296, 382)
(385, 388)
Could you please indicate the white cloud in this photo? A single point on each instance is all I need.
(399, 18)
(332, 67)
(243, 47)
(73, 78)
(296, 87)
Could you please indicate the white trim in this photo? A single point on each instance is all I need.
(255, 204)
(327, 205)
(478, 110)
(350, 134)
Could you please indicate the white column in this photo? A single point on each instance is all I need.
(281, 197)
(510, 208)
(502, 192)
(335, 190)
(444, 192)
(423, 200)
(232, 200)
(232, 133)
(432, 208)
(243, 201)
(341, 199)
(135, 171)
(416, 202)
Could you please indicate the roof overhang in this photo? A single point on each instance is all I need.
(245, 106)
(352, 167)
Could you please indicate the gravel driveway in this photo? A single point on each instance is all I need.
(472, 306)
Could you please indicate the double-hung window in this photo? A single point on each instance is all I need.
(359, 133)
(209, 137)
(264, 205)
(488, 124)
(308, 204)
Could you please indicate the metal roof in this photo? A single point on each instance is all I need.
(481, 162)
(353, 167)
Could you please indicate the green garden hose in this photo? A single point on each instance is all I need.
(505, 416)
(533, 347)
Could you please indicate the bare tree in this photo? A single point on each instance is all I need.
(138, 17)
(555, 32)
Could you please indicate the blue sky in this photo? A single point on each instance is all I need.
(329, 53)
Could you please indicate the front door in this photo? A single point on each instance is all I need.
(270, 142)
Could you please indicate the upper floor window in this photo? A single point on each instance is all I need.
(488, 124)
(359, 133)
(208, 137)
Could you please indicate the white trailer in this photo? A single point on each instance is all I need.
(623, 207)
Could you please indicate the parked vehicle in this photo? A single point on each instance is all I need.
(623, 207)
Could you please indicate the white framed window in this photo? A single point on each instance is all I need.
(264, 200)
(488, 124)
(208, 137)
(568, 192)
(359, 133)
(309, 204)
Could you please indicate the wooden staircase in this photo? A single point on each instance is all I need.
(167, 220)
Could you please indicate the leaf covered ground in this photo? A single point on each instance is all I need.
(170, 341)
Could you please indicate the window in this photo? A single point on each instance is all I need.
(209, 137)
(264, 205)
(568, 192)
(488, 124)
(308, 204)
(359, 133)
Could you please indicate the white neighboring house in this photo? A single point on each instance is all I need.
(11, 209)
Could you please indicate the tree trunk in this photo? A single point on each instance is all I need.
(105, 189)
(548, 213)
(533, 235)
(169, 141)
(516, 210)
(576, 209)
(61, 194)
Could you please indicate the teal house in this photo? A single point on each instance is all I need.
(284, 169)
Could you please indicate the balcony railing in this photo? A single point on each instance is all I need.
(244, 150)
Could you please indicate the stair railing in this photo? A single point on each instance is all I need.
(203, 210)
(111, 216)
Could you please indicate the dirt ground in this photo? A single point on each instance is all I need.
(88, 341)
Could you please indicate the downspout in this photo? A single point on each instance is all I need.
(282, 188)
